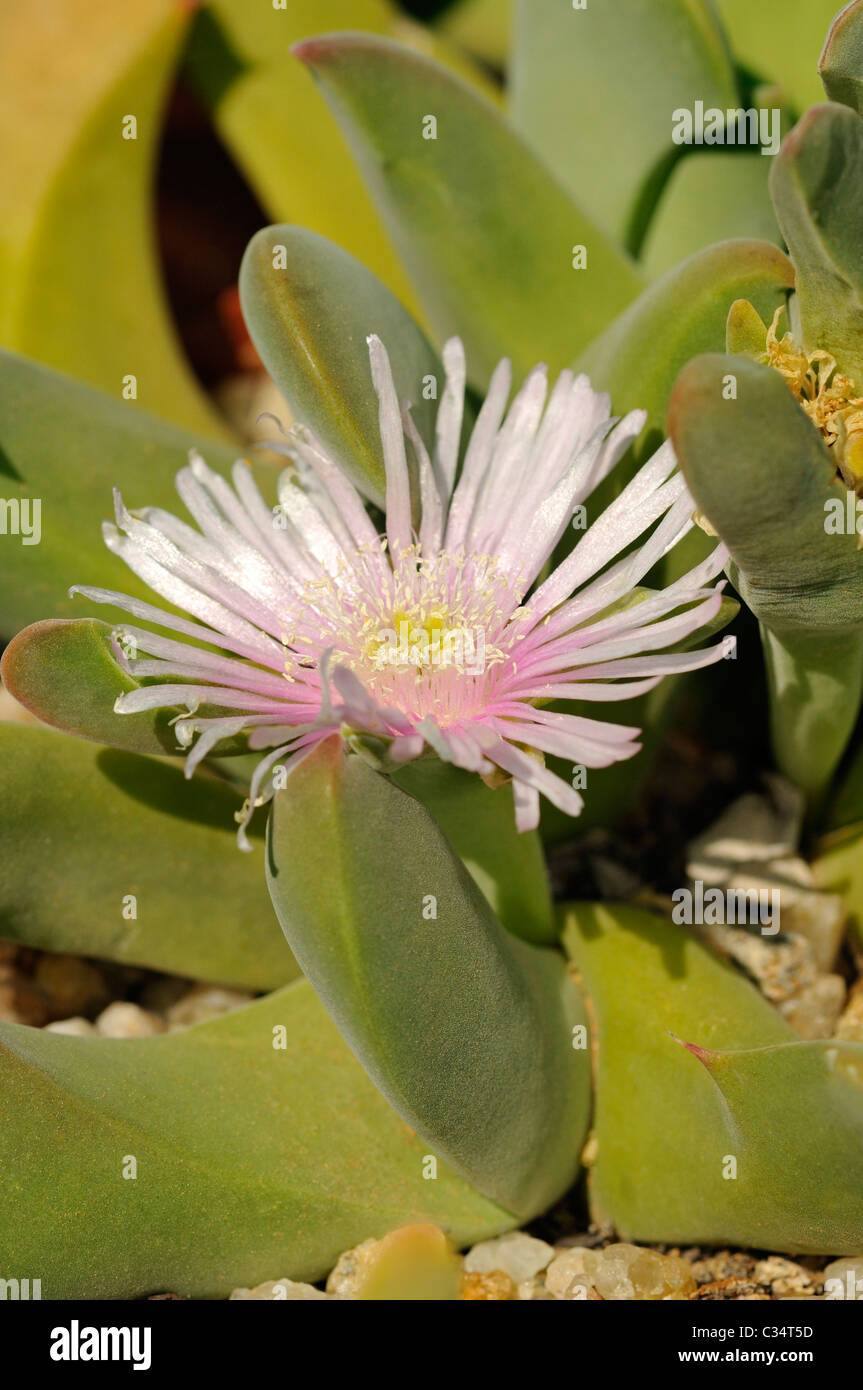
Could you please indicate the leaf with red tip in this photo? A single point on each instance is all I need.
(748, 1136)
(64, 672)
(841, 63)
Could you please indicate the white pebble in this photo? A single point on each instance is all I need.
(124, 1020)
(204, 1002)
(520, 1256)
(72, 1027)
(280, 1291)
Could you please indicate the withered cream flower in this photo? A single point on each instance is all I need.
(444, 634)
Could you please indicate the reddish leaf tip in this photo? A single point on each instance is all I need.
(310, 51)
(704, 1054)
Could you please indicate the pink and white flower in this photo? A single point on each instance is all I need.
(303, 600)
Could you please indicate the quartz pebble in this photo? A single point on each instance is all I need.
(819, 918)
(518, 1255)
(753, 847)
(630, 1272)
(565, 1277)
(754, 829)
(780, 968)
(533, 1290)
(843, 1279)
(785, 1278)
(280, 1290)
(124, 1020)
(351, 1268)
(814, 1012)
(72, 1027)
(203, 1002)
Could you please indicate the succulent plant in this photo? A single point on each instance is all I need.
(434, 1038)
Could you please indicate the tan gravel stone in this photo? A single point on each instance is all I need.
(203, 1002)
(72, 1027)
(494, 1286)
(815, 1011)
(565, 1277)
(626, 1271)
(279, 1291)
(843, 1279)
(124, 1020)
(519, 1255)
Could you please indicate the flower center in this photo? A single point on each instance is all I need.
(421, 633)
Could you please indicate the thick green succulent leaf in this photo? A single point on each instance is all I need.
(741, 1135)
(761, 474)
(841, 62)
(815, 182)
(64, 672)
(846, 806)
(608, 77)
(84, 830)
(815, 687)
(310, 307)
(508, 867)
(486, 233)
(780, 44)
(261, 1151)
(745, 331)
(277, 126)
(465, 1029)
(75, 210)
(838, 864)
(65, 446)
(763, 477)
(684, 313)
(710, 198)
(838, 868)
(638, 358)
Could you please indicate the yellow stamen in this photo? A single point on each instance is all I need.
(827, 396)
